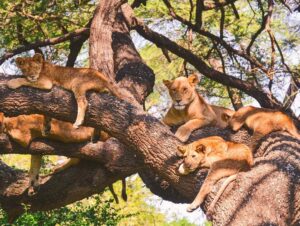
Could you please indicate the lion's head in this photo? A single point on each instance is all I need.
(31, 66)
(201, 153)
(237, 120)
(193, 156)
(182, 90)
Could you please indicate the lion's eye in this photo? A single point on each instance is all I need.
(193, 156)
(185, 90)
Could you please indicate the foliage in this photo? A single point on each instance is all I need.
(96, 210)
(238, 33)
(23, 22)
(92, 212)
(30, 21)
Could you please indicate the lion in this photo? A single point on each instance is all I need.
(25, 128)
(223, 158)
(262, 121)
(189, 109)
(1, 122)
(43, 75)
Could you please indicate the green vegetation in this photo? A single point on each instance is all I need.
(24, 22)
(99, 209)
(97, 212)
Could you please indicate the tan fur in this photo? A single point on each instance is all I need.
(262, 121)
(1, 122)
(24, 128)
(223, 158)
(43, 75)
(190, 110)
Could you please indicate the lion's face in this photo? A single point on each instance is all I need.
(31, 66)
(182, 91)
(235, 122)
(193, 157)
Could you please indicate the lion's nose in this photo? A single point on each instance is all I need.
(178, 101)
(187, 165)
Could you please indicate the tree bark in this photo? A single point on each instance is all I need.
(276, 169)
(268, 194)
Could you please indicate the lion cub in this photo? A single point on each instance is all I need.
(262, 121)
(43, 75)
(190, 110)
(224, 158)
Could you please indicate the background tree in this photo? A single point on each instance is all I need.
(234, 44)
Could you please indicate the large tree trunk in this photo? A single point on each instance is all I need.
(268, 194)
(275, 174)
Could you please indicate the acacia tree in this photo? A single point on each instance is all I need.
(268, 194)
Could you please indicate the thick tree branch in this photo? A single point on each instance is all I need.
(102, 23)
(56, 190)
(155, 146)
(151, 142)
(111, 154)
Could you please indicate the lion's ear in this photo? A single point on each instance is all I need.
(167, 83)
(225, 117)
(19, 60)
(193, 79)
(180, 151)
(200, 148)
(38, 58)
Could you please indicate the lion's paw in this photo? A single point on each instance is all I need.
(13, 84)
(76, 125)
(192, 207)
(183, 134)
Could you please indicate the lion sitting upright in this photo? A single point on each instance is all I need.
(189, 109)
(43, 75)
(223, 158)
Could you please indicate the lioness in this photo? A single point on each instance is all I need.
(262, 121)
(43, 75)
(24, 128)
(224, 158)
(189, 109)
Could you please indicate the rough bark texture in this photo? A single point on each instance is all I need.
(276, 171)
(266, 195)
(110, 163)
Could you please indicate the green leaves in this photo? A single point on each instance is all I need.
(29, 21)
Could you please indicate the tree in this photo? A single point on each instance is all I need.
(141, 143)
